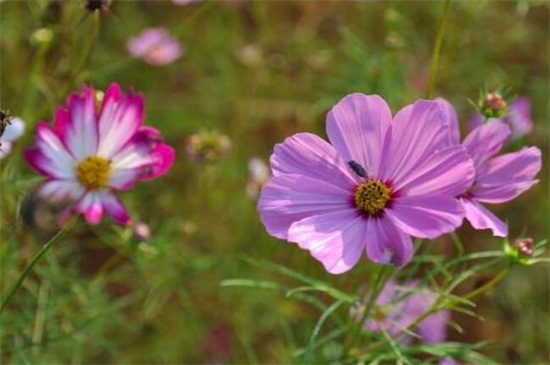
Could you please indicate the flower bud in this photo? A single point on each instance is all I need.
(207, 146)
(141, 231)
(524, 247)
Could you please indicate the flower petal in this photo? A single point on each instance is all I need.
(356, 127)
(519, 117)
(481, 218)
(58, 190)
(114, 207)
(446, 172)
(385, 243)
(79, 133)
(451, 120)
(505, 177)
(426, 216)
(14, 130)
(121, 116)
(288, 198)
(335, 239)
(91, 207)
(486, 140)
(307, 154)
(419, 130)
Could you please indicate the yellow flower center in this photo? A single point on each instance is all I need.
(372, 196)
(94, 172)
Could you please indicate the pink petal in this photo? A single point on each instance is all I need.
(335, 239)
(58, 190)
(519, 117)
(475, 121)
(446, 172)
(419, 130)
(288, 198)
(90, 205)
(165, 156)
(114, 207)
(119, 121)
(505, 177)
(79, 133)
(451, 120)
(124, 179)
(385, 243)
(486, 140)
(426, 216)
(481, 218)
(307, 154)
(356, 127)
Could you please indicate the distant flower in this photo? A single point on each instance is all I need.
(141, 231)
(258, 175)
(449, 361)
(399, 306)
(498, 178)
(185, 2)
(517, 117)
(156, 46)
(91, 151)
(14, 130)
(379, 183)
(207, 146)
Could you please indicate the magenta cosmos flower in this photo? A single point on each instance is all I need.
(518, 118)
(380, 182)
(92, 151)
(156, 46)
(498, 179)
(399, 306)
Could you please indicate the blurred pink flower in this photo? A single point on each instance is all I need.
(498, 178)
(156, 46)
(381, 181)
(185, 2)
(398, 306)
(92, 151)
(13, 132)
(518, 117)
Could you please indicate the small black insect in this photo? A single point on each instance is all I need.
(357, 168)
(93, 5)
(4, 121)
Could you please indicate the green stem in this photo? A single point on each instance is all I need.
(435, 52)
(33, 261)
(488, 285)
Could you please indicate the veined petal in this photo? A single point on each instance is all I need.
(114, 207)
(79, 133)
(59, 190)
(288, 198)
(91, 207)
(451, 120)
(419, 130)
(121, 117)
(335, 239)
(486, 140)
(447, 172)
(356, 127)
(307, 154)
(425, 216)
(481, 218)
(386, 244)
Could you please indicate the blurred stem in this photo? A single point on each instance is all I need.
(488, 285)
(33, 261)
(379, 282)
(437, 47)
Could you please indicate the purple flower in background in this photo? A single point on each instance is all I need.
(156, 46)
(498, 178)
(518, 118)
(380, 182)
(92, 151)
(14, 130)
(398, 306)
(185, 2)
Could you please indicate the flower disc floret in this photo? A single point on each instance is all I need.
(93, 172)
(372, 196)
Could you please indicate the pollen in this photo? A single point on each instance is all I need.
(93, 172)
(372, 197)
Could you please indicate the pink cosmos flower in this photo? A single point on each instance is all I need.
(518, 118)
(380, 182)
(92, 151)
(156, 46)
(498, 178)
(398, 306)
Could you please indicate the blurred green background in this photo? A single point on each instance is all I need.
(256, 71)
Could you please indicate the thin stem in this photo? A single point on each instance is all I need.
(33, 261)
(488, 285)
(435, 52)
